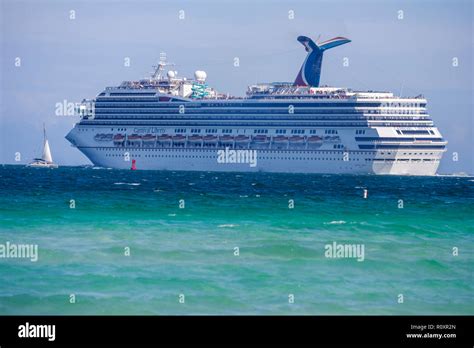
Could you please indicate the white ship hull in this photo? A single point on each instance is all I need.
(329, 162)
(173, 123)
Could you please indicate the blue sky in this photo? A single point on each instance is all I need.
(64, 59)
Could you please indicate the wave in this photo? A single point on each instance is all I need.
(127, 183)
(335, 222)
(456, 175)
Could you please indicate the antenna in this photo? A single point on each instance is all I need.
(157, 73)
(162, 56)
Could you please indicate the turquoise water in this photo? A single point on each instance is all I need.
(190, 251)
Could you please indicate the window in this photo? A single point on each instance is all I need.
(260, 131)
(360, 131)
(297, 131)
(330, 131)
(227, 131)
(211, 130)
(195, 130)
(312, 131)
(180, 130)
(415, 131)
(281, 131)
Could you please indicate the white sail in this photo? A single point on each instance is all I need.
(46, 161)
(47, 152)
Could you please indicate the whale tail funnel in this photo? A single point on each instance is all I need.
(310, 72)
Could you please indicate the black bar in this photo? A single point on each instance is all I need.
(225, 330)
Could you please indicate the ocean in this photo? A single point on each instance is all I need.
(162, 242)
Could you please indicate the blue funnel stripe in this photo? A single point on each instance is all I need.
(310, 72)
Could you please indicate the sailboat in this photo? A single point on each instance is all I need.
(46, 161)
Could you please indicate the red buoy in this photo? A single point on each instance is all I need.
(134, 165)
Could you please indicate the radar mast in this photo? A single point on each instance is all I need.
(158, 73)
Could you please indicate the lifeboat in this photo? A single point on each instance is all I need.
(296, 139)
(178, 138)
(134, 137)
(332, 139)
(242, 139)
(164, 137)
(315, 139)
(103, 137)
(209, 138)
(119, 138)
(195, 138)
(280, 139)
(261, 139)
(226, 139)
(149, 137)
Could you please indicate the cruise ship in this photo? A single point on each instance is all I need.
(166, 122)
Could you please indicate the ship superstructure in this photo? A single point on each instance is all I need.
(170, 123)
